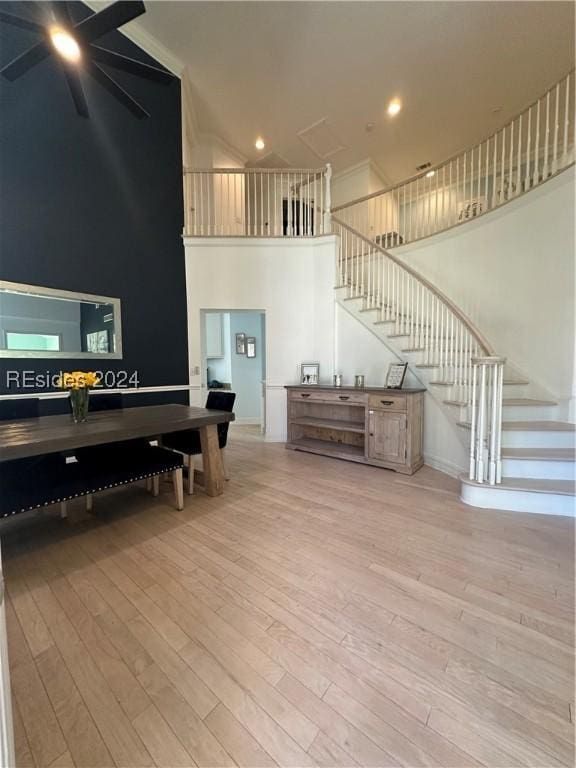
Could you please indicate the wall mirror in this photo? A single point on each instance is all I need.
(50, 323)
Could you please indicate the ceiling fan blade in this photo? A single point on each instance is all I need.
(130, 65)
(116, 90)
(26, 60)
(20, 21)
(109, 18)
(75, 85)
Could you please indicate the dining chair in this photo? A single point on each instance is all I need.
(108, 401)
(188, 441)
(25, 408)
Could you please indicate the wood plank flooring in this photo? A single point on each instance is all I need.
(319, 613)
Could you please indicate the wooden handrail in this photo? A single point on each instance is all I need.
(483, 343)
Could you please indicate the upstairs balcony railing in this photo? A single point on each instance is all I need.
(531, 148)
(257, 202)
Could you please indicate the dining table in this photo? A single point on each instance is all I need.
(60, 434)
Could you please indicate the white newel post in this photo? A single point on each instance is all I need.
(327, 200)
(486, 419)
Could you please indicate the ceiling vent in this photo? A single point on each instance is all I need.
(321, 139)
(423, 166)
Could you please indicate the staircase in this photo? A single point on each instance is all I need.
(442, 347)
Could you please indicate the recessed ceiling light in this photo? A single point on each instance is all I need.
(394, 107)
(430, 174)
(259, 143)
(65, 44)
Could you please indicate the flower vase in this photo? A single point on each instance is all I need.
(79, 404)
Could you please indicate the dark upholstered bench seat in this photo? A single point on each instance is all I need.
(27, 484)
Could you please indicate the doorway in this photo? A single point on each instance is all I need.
(234, 359)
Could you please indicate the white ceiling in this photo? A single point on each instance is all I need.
(275, 68)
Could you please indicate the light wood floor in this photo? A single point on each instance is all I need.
(319, 613)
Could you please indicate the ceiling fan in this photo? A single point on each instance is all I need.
(73, 44)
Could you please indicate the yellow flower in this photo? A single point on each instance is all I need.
(77, 380)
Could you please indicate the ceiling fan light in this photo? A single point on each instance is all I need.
(65, 45)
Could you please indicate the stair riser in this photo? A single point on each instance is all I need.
(537, 439)
(492, 497)
(547, 470)
(529, 412)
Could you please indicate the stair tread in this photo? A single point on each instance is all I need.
(533, 426)
(535, 485)
(527, 401)
(540, 454)
(506, 381)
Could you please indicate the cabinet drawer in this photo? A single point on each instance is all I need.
(385, 402)
(349, 398)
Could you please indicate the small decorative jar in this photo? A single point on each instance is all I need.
(359, 380)
(337, 380)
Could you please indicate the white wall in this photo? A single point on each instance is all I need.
(292, 281)
(358, 350)
(377, 216)
(512, 272)
(356, 181)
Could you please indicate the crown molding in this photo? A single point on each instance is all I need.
(143, 39)
(230, 148)
(190, 118)
(364, 165)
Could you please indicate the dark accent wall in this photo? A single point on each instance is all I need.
(95, 205)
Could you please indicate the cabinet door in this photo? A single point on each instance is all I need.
(387, 436)
(214, 341)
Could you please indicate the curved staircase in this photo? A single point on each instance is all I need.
(423, 327)
(521, 452)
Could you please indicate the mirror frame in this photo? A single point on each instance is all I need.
(56, 293)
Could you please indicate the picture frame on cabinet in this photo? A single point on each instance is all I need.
(310, 373)
(395, 375)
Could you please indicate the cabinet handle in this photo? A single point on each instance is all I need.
(371, 434)
(344, 397)
(304, 395)
(387, 402)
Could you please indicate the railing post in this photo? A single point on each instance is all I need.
(486, 420)
(472, 473)
(327, 200)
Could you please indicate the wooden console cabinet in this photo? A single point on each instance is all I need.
(381, 427)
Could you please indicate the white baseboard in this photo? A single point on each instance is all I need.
(448, 467)
(510, 500)
(275, 438)
(247, 420)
